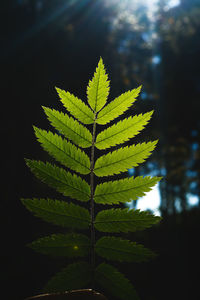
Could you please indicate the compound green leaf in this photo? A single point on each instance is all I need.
(63, 151)
(59, 212)
(61, 180)
(123, 159)
(114, 248)
(117, 106)
(68, 245)
(122, 131)
(124, 190)
(124, 220)
(110, 279)
(69, 127)
(75, 276)
(76, 107)
(98, 88)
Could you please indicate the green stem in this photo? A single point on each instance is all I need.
(92, 200)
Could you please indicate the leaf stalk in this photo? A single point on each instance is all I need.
(92, 213)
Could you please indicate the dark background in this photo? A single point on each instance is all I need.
(58, 43)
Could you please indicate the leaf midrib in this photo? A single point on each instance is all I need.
(117, 250)
(119, 221)
(63, 246)
(97, 88)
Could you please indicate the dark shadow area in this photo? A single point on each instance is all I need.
(58, 43)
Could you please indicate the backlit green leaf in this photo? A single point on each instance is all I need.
(63, 151)
(69, 127)
(110, 279)
(98, 88)
(69, 245)
(74, 276)
(117, 107)
(124, 220)
(59, 212)
(76, 107)
(122, 131)
(123, 159)
(115, 248)
(124, 190)
(64, 182)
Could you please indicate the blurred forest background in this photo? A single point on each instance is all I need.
(156, 43)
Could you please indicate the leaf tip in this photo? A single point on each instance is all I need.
(23, 200)
(44, 107)
(27, 160)
(100, 60)
(160, 178)
(35, 128)
(151, 112)
(156, 142)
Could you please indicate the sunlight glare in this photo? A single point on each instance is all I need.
(173, 3)
(152, 4)
(193, 200)
(151, 201)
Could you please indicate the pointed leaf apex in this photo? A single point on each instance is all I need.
(98, 88)
(151, 112)
(46, 110)
(156, 142)
(57, 89)
(26, 159)
(101, 63)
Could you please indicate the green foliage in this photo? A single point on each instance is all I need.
(124, 190)
(98, 88)
(63, 151)
(69, 127)
(110, 279)
(69, 245)
(117, 107)
(59, 212)
(76, 107)
(124, 220)
(73, 216)
(64, 182)
(114, 248)
(123, 159)
(122, 131)
(74, 276)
